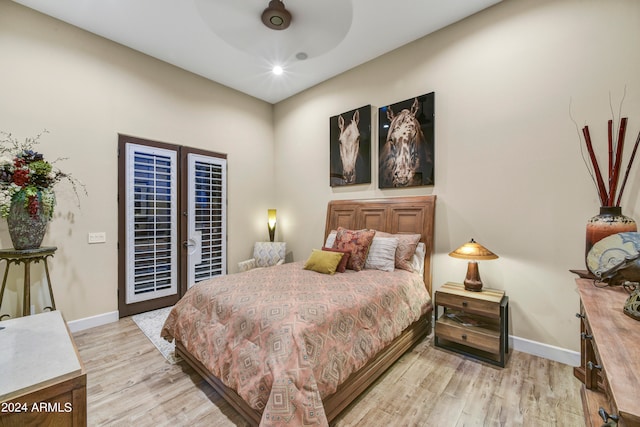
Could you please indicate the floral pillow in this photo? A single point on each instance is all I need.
(357, 243)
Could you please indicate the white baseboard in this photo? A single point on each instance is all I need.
(93, 321)
(558, 354)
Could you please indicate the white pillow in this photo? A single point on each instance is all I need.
(382, 254)
(331, 238)
(417, 260)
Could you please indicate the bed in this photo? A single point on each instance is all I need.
(269, 343)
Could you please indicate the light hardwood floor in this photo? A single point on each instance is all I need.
(130, 383)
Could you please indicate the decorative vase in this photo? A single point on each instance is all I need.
(26, 230)
(609, 221)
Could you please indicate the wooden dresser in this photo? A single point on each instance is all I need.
(42, 379)
(610, 356)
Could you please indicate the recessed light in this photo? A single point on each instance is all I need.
(277, 70)
(302, 56)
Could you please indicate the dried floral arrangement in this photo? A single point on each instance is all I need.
(608, 192)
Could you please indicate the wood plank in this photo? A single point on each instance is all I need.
(130, 383)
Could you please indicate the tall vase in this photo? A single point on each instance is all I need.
(26, 231)
(609, 221)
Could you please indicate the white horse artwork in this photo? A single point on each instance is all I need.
(404, 158)
(349, 140)
(350, 147)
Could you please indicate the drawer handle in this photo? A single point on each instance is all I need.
(586, 336)
(580, 315)
(464, 303)
(593, 366)
(606, 417)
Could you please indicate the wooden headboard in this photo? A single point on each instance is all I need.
(392, 215)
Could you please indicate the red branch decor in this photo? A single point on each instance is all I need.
(616, 150)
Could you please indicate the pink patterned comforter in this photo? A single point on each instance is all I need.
(284, 337)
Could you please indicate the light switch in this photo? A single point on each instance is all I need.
(99, 237)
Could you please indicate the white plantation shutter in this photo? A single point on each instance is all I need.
(152, 242)
(207, 205)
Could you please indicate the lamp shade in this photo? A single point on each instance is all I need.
(473, 251)
(271, 223)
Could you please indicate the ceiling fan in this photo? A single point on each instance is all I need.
(276, 16)
(268, 33)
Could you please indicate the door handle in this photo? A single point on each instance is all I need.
(194, 247)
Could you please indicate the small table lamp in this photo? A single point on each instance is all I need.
(473, 252)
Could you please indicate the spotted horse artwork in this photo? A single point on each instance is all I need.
(406, 157)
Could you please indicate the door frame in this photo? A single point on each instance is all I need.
(125, 309)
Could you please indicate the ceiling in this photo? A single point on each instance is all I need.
(225, 40)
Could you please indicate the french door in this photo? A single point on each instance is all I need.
(172, 222)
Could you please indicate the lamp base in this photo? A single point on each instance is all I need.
(473, 282)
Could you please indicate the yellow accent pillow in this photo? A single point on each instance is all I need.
(323, 261)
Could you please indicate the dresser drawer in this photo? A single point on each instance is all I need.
(470, 305)
(480, 338)
(588, 336)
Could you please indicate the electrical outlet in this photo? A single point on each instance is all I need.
(100, 237)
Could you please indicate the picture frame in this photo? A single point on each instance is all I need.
(406, 143)
(350, 147)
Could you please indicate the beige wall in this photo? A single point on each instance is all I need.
(85, 90)
(508, 165)
(508, 169)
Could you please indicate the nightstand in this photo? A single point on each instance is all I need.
(475, 324)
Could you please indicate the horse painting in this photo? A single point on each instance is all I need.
(350, 147)
(406, 159)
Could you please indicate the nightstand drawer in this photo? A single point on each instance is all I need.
(480, 338)
(469, 305)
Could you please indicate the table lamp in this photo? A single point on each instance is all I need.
(473, 252)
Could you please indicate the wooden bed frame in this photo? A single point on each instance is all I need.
(393, 215)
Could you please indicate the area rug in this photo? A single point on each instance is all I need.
(150, 323)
